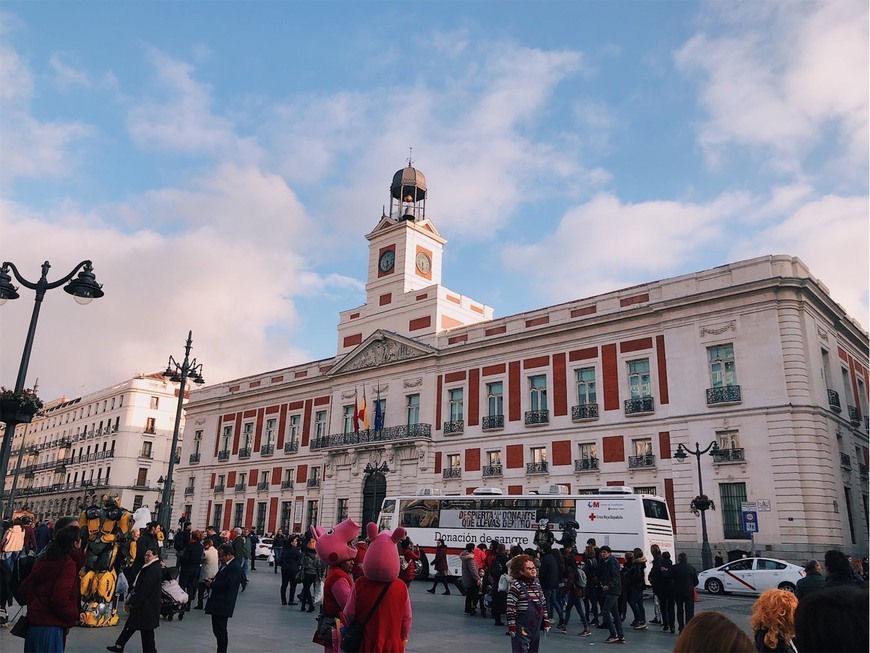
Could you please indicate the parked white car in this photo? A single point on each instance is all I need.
(752, 576)
(264, 548)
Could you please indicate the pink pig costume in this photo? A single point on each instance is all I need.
(334, 548)
(388, 627)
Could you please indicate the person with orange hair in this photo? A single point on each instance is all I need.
(772, 621)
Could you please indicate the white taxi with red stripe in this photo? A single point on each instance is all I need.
(752, 576)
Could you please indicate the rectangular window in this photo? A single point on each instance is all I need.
(722, 369)
(285, 516)
(456, 398)
(226, 438)
(312, 515)
(347, 419)
(587, 451)
(155, 402)
(495, 399)
(538, 392)
(261, 517)
(137, 501)
(848, 495)
(247, 435)
(638, 378)
(728, 439)
(341, 510)
(413, 409)
(142, 477)
(271, 431)
(243, 480)
(150, 425)
(239, 516)
(218, 514)
(493, 458)
(264, 478)
(221, 480)
(315, 474)
(289, 475)
(642, 447)
(586, 386)
(453, 461)
(197, 441)
(293, 428)
(732, 496)
(146, 449)
(320, 424)
(538, 454)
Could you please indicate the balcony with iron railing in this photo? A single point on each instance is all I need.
(640, 406)
(854, 417)
(286, 485)
(537, 417)
(834, 400)
(263, 485)
(537, 468)
(407, 432)
(244, 453)
(584, 412)
(188, 490)
(240, 487)
(723, 394)
(641, 462)
(586, 465)
(218, 489)
(845, 461)
(313, 482)
(733, 455)
(291, 447)
(267, 449)
(224, 455)
(491, 470)
(456, 426)
(492, 422)
(451, 473)
(194, 458)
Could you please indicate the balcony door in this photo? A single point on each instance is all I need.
(374, 493)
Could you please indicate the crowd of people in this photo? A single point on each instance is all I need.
(527, 591)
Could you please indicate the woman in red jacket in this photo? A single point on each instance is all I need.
(51, 592)
(409, 565)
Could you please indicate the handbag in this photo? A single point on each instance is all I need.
(352, 636)
(325, 624)
(21, 626)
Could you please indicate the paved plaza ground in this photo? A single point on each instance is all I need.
(262, 625)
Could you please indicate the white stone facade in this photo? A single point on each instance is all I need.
(115, 441)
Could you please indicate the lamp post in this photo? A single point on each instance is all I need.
(83, 288)
(681, 454)
(374, 472)
(177, 373)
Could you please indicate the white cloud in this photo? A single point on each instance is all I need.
(67, 75)
(783, 77)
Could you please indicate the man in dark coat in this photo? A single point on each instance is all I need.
(223, 590)
(684, 580)
(144, 605)
(190, 564)
(214, 536)
(812, 582)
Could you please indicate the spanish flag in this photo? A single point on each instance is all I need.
(363, 414)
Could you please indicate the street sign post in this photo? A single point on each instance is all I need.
(750, 522)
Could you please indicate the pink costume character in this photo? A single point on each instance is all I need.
(387, 627)
(333, 548)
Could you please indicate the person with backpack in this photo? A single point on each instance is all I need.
(575, 591)
(611, 585)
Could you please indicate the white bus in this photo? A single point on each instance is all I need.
(615, 516)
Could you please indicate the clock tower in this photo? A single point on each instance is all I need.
(404, 292)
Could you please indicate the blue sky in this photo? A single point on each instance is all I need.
(221, 162)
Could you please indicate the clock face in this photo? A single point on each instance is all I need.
(388, 259)
(424, 263)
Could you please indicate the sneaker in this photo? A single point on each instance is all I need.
(620, 639)
(655, 621)
(613, 639)
(562, 628)
(640, 626)
(664, 629)
(431, 591)
(586, 633)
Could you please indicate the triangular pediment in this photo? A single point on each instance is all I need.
(381, 348)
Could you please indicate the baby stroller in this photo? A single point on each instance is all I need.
(173, 599)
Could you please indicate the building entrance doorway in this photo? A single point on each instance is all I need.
(374, 493)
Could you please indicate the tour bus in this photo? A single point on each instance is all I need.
(615, 516)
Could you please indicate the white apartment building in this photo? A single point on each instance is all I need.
(754, 355)
(115, 441)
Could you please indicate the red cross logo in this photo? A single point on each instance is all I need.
(591, 516)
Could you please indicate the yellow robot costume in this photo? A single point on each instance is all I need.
(107, 535)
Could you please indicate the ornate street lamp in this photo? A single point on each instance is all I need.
(177, 373)
(83, 288)
(681, 454)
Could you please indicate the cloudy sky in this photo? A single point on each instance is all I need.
(221, 162)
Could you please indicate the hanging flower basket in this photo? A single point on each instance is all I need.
(19, 407)
(700, 503)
